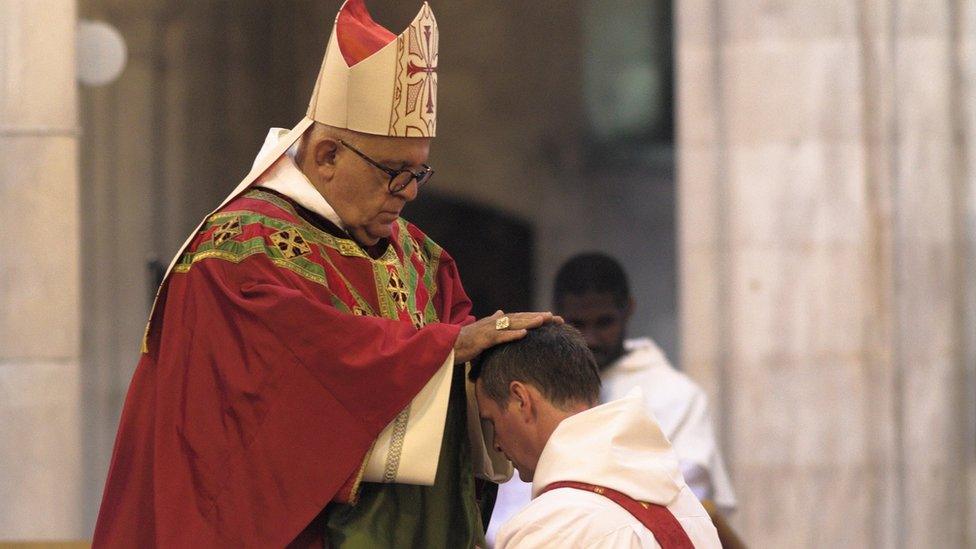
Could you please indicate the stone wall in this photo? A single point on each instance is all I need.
(40, 432)
(826, 216)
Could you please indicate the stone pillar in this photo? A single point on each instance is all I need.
(826, 219)
(40, 464)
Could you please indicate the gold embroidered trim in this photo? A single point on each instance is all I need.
(344, 246)
(290, 243)
(398, 290)
(418, 320)
(419, 250)
(237, 258)
(227, 231)
(396, 445)
(354, 490)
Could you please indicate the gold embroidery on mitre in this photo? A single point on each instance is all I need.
(397, 290)
(290, 243)
(414, 109)
(359, 311)
(229, 229)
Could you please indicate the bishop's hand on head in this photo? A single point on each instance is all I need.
(497, 329)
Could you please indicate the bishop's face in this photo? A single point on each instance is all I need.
(359, 192)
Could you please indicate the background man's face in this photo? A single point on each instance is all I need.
(359, 192)
(512, 435)
(600, 319)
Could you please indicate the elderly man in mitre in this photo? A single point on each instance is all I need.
(302, 379)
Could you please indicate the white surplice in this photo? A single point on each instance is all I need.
(617, 446)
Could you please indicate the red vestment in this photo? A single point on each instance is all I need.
(276, 355)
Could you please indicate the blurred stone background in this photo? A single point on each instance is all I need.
(790, 186)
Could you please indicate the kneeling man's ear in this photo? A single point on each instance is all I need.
(524, 399)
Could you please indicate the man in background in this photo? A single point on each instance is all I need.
(591, 291)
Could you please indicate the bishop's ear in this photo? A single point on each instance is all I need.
(325, 150)
(323, 157)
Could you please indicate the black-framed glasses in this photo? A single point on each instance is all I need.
(399, 179)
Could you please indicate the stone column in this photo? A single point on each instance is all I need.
(40, 465)
(826, 218)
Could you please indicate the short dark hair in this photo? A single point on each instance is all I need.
(553, 358)
(591, 272)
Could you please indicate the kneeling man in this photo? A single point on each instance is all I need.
(602, 476)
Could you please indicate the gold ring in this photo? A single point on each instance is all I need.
(503, 323)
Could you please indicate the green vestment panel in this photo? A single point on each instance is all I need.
(444, 515)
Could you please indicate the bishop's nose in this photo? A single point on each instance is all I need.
(409, 192)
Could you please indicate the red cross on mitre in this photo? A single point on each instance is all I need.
(421, 69)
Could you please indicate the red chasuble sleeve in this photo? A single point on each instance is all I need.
(257, 402)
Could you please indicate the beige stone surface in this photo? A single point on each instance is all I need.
(836, 509)
(802, 412)
(833, 321)
(697, 109)
(40, 481)
(39, 276)
(37, 73)
(925, 18)
(790, 91)
(695, 24)
(803, 21)
(698, 198)
(703, 292)
(40, 294)
(797, 302)
(797, 193)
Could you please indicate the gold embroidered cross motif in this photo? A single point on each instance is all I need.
(398, 290)
(225, 232)
(418, 320)
(424, 258)
(290, 243)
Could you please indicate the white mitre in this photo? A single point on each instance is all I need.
(392, 91)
